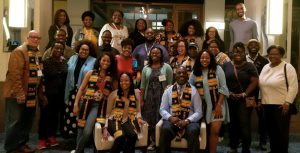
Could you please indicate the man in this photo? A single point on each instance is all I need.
(242, 29)
(61, 37)
(106, 46)
(259, 62)
(21, 90)
(181, 111)
(193, 52)
(141, 52)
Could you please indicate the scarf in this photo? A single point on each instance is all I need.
(212, 84)
(188, 66)
(119, 110)
(98, 94)
(181, 105)
(35, 74)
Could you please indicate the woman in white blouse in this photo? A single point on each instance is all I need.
(276, 96)
(117, 29)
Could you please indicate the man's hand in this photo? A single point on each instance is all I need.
(174, 120)
(182, 124)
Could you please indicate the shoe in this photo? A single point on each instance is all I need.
(232, 151)
(263, 147)
(53, 142)
(73, 151)
(220, 139)
(25, 149)
(42, 144)
(151, 147)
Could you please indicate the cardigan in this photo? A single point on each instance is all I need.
(88, 65)
(147, 70)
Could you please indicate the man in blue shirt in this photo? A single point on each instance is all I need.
(181, 110)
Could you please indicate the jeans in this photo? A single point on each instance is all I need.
(18, 123)
(168, 133)
(84, 133)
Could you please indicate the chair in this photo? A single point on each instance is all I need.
(182, 144)
(104, 145)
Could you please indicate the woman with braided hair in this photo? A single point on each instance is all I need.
(123, 117)
(92, 98)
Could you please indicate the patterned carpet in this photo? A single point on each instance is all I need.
(67, 145)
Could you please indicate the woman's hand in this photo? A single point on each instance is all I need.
(218, 111)
(75, 109)
(105, 133)
(285, 108)
(141, 121)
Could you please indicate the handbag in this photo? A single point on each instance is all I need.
(250, 101)
(293, 110)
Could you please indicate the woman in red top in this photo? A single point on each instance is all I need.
(126, 62)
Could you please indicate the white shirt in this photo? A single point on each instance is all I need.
(273, 88)
(117, 36)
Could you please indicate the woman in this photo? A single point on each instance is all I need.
(87, 31)
(78, 66)
(126, 62)
(241, 79)
(192, 31)
(117, 29)
(124, 116)
(278, 86)
(55, 72)
(212, 34)
(138, 35)
(182, 50)
(214, 48)
(209, 79)
(95, 88)
(156, 76)
(61, 21)
(169, 37)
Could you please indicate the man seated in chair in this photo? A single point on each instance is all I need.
(181, 110)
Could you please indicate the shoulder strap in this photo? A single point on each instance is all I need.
(286, 79)
(237, 77)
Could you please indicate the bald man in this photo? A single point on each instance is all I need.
(21, 91)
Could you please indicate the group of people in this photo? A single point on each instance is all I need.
(123, 80)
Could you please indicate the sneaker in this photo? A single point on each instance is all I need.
(232, 151)
(262, 147)
(53, 142)
(151, 147)
(220, 139)
(73, 151)
(42, 144)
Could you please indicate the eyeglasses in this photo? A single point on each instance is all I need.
(34, 37)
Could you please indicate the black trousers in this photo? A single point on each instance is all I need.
(262, 126)
(278, 126)
(240, 125)
(49, 116)
(126, 141)
(168, 133)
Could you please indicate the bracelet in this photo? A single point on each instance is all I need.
(244, 94)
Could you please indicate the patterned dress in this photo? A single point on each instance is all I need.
(150, 110)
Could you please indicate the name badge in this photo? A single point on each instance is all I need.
(162, 78)
(39, 73)
(145, 62)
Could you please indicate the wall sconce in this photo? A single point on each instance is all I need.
(6, 30)
(217, 25)
(18, 13)
(274, 17)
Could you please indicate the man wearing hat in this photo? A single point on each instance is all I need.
(259, 61)
(192, 52)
